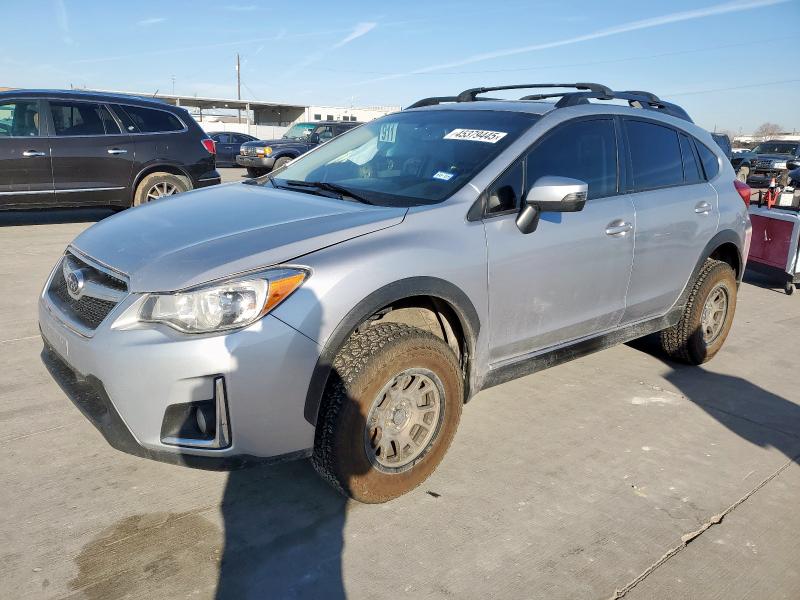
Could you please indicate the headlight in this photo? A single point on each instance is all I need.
(266, 150)
(222, 306)
(779, 165)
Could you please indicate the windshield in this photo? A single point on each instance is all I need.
(776, 148)
(409, 158)
(298, 131)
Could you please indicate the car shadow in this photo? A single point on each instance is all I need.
(55, 216)
(745, 408)
(763, 281)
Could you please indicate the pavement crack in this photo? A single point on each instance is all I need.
(689, 537)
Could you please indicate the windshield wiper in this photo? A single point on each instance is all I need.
(329, 187)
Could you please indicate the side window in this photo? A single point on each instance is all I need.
(81, 118)
(224, 138)
(150, 120)
(240, 139)
(585, 150)
(325, 133)
(691, 170)
(655, 155)
(709, 160)
(127, 122)
(506, 193)
(19, 118)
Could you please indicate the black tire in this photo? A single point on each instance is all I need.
(282, 161)
(789, 288)
(166, 180)
(368, 362)
(253, 172)
(742, 174)
(685, 341)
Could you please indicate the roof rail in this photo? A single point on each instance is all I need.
(635, 98)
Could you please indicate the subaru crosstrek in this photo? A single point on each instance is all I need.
(346, 306)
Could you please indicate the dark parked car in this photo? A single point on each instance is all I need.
(70, 148)
(773, 158)
(228, 144)
(265, 155)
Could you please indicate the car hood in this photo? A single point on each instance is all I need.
(200, 236)
(277, 142)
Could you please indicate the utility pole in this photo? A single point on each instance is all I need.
(238, 84)
(173, 85)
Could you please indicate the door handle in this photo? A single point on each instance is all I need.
(33, 153)
(618, 228)
(117, 151)
(702, 208)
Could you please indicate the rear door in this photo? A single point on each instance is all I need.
(676, 213)
(26, 176)
(92, 157)
(227, 149)
(567, 279)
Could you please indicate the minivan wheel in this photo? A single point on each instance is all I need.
(159, 185)
(707, 317)
(389, 412)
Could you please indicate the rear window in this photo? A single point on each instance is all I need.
(151, 120)
(655, 155)
(709, 160)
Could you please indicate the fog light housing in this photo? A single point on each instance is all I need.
(202, 424)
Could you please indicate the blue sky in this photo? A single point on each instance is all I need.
(373, 53)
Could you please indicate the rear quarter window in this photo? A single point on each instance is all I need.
(150, 120)
(709, 160)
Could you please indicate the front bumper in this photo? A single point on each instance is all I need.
(123, 380)
(255, 162)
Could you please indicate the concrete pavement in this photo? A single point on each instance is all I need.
(578, 482)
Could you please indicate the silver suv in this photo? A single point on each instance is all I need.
(346, 306)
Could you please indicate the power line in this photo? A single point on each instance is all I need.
(736, 87)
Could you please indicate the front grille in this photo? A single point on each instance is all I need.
(249, 151)
(763, 164)
(87, 310)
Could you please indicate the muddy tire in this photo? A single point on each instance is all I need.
(742, 174)
(253, 172)
(389, 412)
(159, 185)
(282, 161)
(707, 317)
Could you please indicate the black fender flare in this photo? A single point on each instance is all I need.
(393, 292)
(722, 237)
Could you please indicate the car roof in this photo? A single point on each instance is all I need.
(86, 95)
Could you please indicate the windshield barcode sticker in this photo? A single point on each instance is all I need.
(476, 135)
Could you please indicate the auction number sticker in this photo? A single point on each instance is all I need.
(476, 135)
(388, 133)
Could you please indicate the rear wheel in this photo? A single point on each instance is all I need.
(159, 185)
(390, 410)
(707, 317)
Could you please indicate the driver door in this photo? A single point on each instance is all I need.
(568, 279)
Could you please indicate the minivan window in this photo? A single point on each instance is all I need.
(150, 120)
(81, 118)
(691, 170)
(655, 155)
(709, 160)
(585, 150)
(19, 118)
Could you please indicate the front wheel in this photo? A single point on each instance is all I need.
(707, 317)
(390, 410)
(254, 172)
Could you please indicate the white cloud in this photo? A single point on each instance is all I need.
(151, 21)
(62, 18)
(688, 15)
(359, 30)
(241, 7)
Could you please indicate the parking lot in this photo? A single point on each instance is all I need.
(619, 474)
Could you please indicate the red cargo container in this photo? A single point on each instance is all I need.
(774, 244)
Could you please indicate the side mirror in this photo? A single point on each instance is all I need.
(551, 194)
(313, 138)
(793, 164)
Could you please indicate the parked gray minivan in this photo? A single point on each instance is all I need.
(347, 305)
